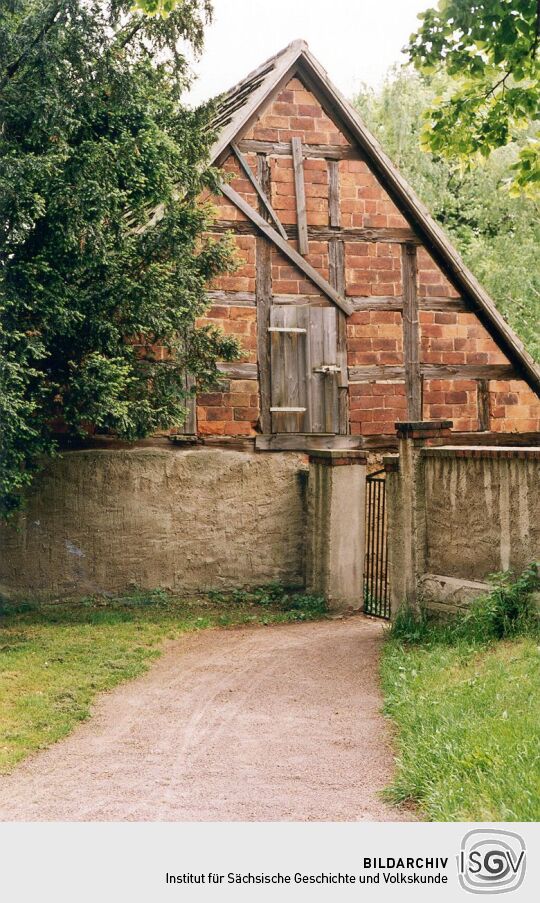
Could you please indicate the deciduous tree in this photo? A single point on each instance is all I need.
(490, 49)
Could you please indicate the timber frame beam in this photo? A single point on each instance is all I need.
(263, 301)
(259, 189)
(307, 442)
(270, 233)
(374, 373)
(411, 333)
(300, 192)
(368, 302)
(325, 233)
(283, 149)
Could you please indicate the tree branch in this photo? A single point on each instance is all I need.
(13, 67)
(130, 34)
(502, 81)
(536, 41)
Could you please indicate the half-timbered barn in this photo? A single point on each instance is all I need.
(353, 312)
(352, 307)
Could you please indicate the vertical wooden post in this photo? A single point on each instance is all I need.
(301, 215)
(482, 397)
(263, 296)
(336, 266)
(411, 335)
(333, 193)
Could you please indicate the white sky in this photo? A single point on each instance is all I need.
(355, 40)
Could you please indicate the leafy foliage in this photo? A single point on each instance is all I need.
(156, 7)
(497, 234)
(507, 611)
(490, 48)
(93, 138)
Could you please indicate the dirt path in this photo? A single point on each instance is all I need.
(257, 724)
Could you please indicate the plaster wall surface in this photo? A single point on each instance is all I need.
(336, 533)
(184, 520)
(482, 515)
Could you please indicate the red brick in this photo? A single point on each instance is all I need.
(242, 313)
(385, 316)
(210, 399)
(379, 428)
(217, 313)
(210, 429)
(441, 317)
(237, 428)
(367, 402)
(219, 414)
(358, 415)
(456, 398)
(250, 414)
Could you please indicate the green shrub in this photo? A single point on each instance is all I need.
(509, 610)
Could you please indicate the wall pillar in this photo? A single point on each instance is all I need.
(406, 509)
(336, 527)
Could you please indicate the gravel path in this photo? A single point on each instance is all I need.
(254, 724)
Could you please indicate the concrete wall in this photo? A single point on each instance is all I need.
(336, 527)
(457, 515)
(482, 512)
(186, 520)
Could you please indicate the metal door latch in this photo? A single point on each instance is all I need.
(327, 368)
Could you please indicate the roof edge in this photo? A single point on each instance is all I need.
(283, 62)
(429, 229)
(297, 56)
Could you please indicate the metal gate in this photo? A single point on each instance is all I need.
(376, 598)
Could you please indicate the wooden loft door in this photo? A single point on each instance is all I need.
(305, 369)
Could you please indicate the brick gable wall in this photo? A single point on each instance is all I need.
(373, 269)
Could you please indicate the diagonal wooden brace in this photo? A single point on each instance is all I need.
(286, 249)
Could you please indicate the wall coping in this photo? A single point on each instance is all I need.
(391, 463)
(337, 457)
(531, 453)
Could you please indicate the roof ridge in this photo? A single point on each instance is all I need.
(243, 103)
(238, 103)
(298, 45)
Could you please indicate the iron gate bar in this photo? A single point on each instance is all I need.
(376, 598)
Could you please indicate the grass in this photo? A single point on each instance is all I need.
(465, 697)
(55, 657)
